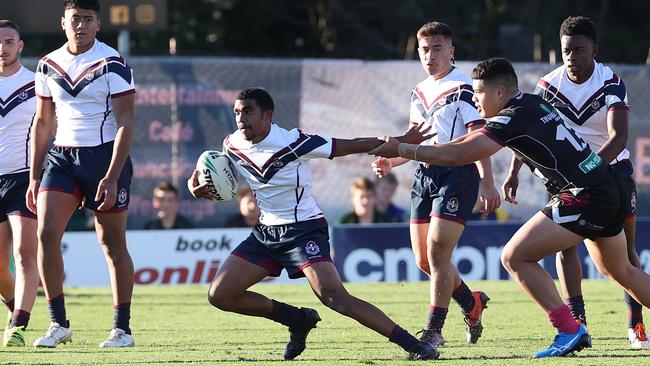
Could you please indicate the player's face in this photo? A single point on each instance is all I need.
(10, 47)
(80, 26)
(578, 53)
(252, 122)
(435, 53)
(487, 97)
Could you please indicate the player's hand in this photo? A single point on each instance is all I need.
(107, 193)
(381, 167)
(509, 188)
(416, 134)
(389, 149)
(489, 195)
(32, 193)
(196, 189)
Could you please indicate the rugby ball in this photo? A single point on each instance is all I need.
(216, 170)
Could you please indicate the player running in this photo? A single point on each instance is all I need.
(589, 198)
(442, 198)
(292, 233)
(591, 99)
(92, 88)
(17, 223)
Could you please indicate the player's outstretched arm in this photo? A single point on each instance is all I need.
(510, 184)
(472, 147)
(42, 129)
(414, 135)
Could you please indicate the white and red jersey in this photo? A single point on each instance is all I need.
(81, 87)
(585, 106)
(278, 172)
(17, 108)
(446, 104)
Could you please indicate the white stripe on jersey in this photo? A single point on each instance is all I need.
(584, 106)
(278, 172)
(81, 87)
(17, 108)
(446, 104)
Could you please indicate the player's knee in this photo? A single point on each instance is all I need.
(220, 299)
(25, 258)
(48, 237)
(335, 299)
(506, 261)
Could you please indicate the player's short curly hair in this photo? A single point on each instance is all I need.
(261, 97)
(497, 70)
(435, 29)
(578, 26)
(82, 4)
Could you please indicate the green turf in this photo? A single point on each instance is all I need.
(177, 326)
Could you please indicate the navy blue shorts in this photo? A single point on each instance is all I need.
(625, 170)
(78, 170)
(446, 192)
(292, 246)
(593, 212)
(13, 188)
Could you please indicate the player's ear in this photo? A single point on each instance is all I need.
(63, 23)
(595, 50)
(267, 115)
(21, 45)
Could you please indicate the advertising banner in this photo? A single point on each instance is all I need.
(380, 253)
(160, 257)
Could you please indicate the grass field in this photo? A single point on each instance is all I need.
(176, 325)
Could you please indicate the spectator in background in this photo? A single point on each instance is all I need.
(249, 211)
(385, 190)
(363, 205)
(166, 201)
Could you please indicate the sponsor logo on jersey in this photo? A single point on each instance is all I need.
(312, 248)
(595, 105)
(277, 163)
(551, 115)
(453, 205)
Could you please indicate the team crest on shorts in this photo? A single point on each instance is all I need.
(452, 204)
(121, 197)
(312, 248)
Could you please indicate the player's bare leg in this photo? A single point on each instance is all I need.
(111, 233)
(419, 232)
(536, 239)
(636, 329)
(6, 278)
(326, 284)
(54, 212)
(25, 252)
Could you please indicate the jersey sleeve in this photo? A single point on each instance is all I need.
(541, 90)
(616, 95)
(119, 76)
(500, 128)
(417, 111)
(40, 81)
(314, 146)
(467, 109)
